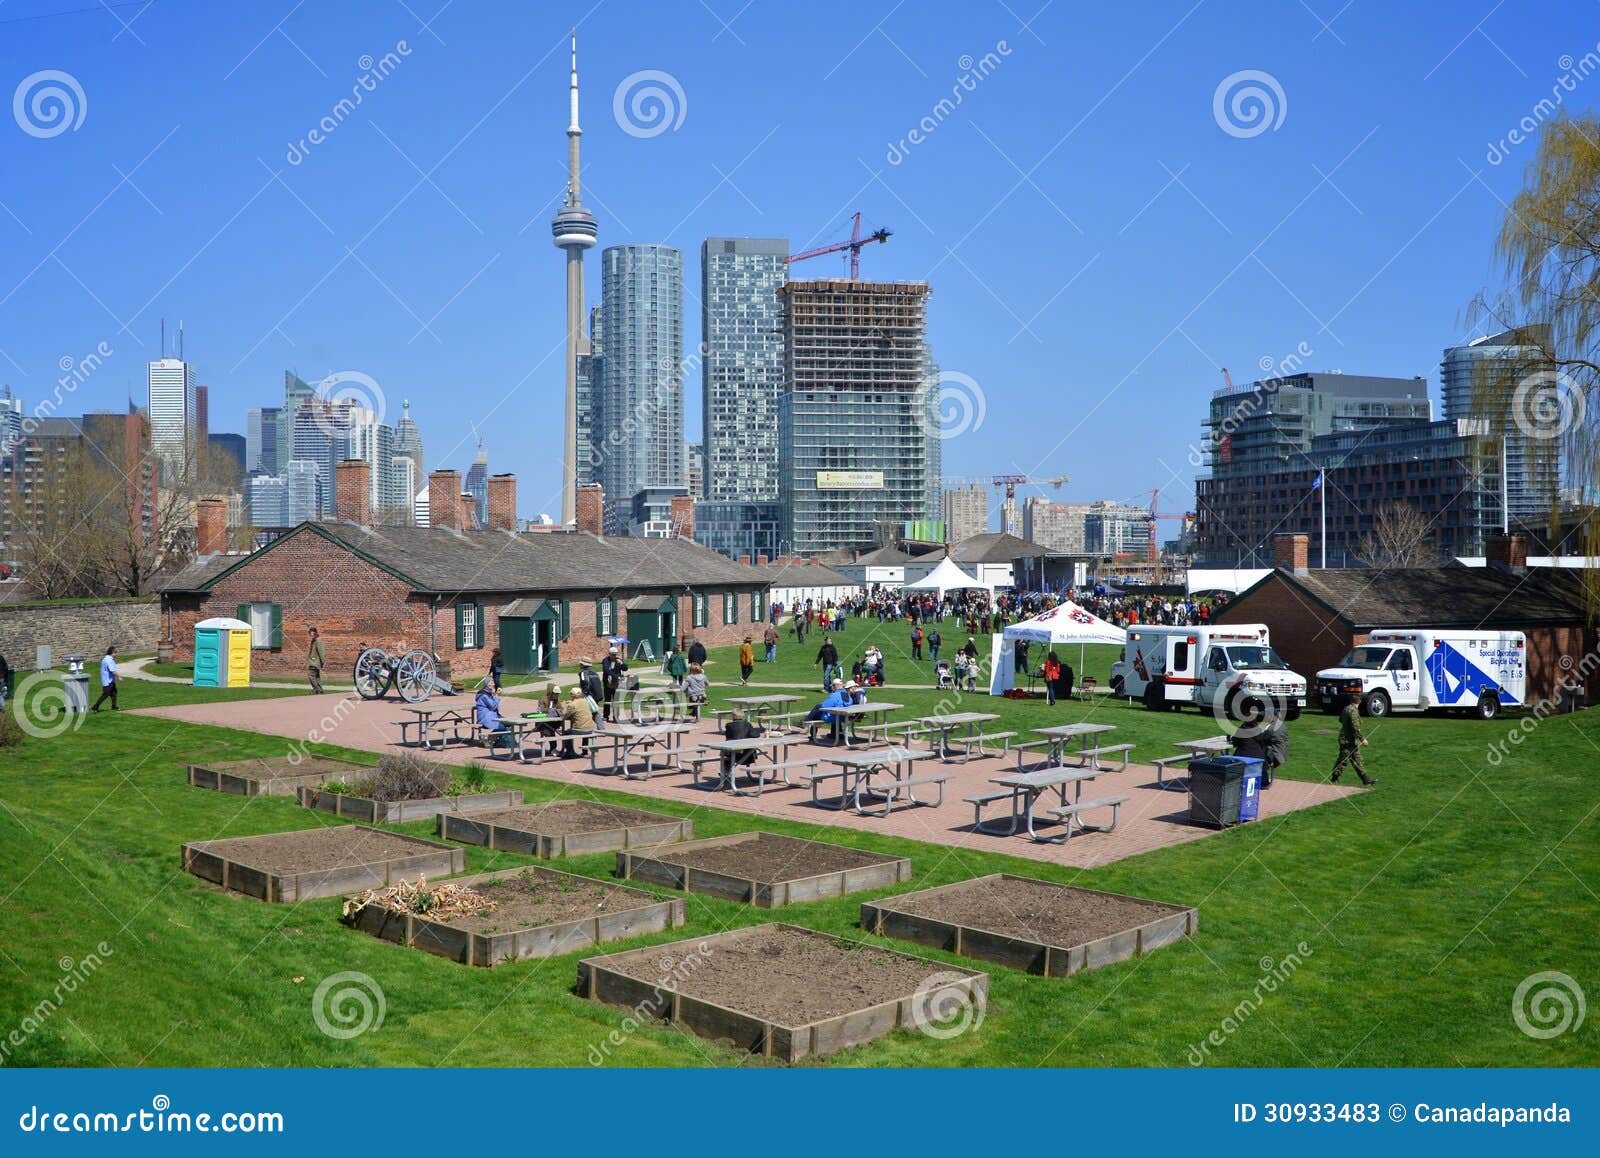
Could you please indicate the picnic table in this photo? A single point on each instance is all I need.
(718, 752)
(1210, 746)
(852, 716)
(531, 725)
(427, 719)
(1024, 789)
(652, 740)
(761, 707)
(944, 725)
(888, 773)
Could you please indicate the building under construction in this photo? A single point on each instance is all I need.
(857, 419)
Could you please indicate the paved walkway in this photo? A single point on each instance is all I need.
(1151, 818)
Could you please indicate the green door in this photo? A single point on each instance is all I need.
(516, 646)
(644, 627)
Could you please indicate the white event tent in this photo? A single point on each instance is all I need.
(1063, 624)
(947, 576)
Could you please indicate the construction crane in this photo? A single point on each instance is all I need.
(854, 244)
(1154, 558)
(1011, 482)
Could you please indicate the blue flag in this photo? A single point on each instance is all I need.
(1317, 483)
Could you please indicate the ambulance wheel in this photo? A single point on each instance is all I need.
(1376, 704)
(1154, 701)
(1488, 706)
(1116, 685)
(1293, 712)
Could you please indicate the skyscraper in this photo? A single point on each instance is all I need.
(853, 429)
(302, 492)
(401, 492)
(372, 442)
(262, 425)
(742, 374)
(1471, 386)
(476, 484)
(573, 231)
(966, 512)
(10, 420)
(267, 501)
(408, 440)
(321, 439)
(590, 367)
(642, 374)
(172, 416)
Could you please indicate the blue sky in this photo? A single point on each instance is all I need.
(1099, 239)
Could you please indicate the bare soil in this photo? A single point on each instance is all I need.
(315, 849)
(783, 975)
(537, 897)
(769, 859)
(282, 769)
(568, 817)
(1038, 911)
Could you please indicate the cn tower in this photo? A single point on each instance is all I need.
(574, 230)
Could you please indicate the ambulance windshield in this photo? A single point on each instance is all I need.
(1247, 658)
(1366, 658)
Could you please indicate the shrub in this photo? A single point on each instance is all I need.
(11, 733)
(406, 776)
(475, 777)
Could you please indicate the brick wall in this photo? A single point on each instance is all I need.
(1303, 632)
(129, 625)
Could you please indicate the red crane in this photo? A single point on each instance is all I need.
(854, 245)
(1154, 558)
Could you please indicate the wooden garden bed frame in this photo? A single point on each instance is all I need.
(369, 811)
(882, 871)
(659, 829)
(429, 859)
(230, 776)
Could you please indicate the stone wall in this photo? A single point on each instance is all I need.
(129, 625)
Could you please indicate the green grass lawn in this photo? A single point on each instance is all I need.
(1421, 906)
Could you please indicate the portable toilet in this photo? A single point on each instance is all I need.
(221, 653)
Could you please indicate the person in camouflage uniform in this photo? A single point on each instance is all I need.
(1351, 741)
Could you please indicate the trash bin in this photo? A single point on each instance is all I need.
(76, 682)
(1250, 789)
(1216, 789)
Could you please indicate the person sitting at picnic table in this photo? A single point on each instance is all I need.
(486, 711)
(550, 705)
(577, 717)
(856, 693)
(739, 727)
(695, 688)
(837, 698)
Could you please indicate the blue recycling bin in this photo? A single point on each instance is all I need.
(1220, 787)
(1250, 790)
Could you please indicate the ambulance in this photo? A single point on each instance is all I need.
(1416, 670)
(1210, 666)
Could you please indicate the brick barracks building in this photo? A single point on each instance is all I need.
(545, 599)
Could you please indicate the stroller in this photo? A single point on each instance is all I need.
(943, 680)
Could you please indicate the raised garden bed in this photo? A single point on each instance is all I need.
(764, 869)
(277, 776)
(318, 862)
(538, 913)
(1037, 926)
(783, 991)
(400, 811)
(565, 828)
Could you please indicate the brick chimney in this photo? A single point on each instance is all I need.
(1508, 553)
(503, 502)
(443, 506)
(469, 511)
(352, 491)
(745, 559)
(591, 509)
(211, 526)
(1291, 553)
(683, 516)
(762, 560)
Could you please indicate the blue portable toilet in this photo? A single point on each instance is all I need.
(221, 653)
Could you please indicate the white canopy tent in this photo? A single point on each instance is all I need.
(1063, 624)
(1232, 579)
(947, 576)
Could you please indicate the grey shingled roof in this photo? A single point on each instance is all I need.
(438, 560)
(802, 575)
(993, 547)
(1441, 597)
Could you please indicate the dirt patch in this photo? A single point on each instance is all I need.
(1038, 911)
(769, 858)
(535, 897)
(280, 769)
(780, 974)
(564, 817)
(316, 849)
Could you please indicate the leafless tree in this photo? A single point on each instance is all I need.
(1401, 536)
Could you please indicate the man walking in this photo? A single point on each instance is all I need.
(770, 638)
(916, 641)
(316, 660)
(611, 669)
(828, 660)
(108, 681)
(747, 660)
(1351, 741)
(933, 645)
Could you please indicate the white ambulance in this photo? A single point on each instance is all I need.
(1210, 666)
(1399, 670)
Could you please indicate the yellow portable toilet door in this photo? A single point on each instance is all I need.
(237, 674)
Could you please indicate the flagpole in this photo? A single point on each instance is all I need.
(1322, 488)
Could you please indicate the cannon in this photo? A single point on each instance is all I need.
(412, 673)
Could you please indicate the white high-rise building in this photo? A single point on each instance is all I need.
(302, 499)
(10, 420)
(268, 495)
(372, 442)
(400, 486)
(174, 420)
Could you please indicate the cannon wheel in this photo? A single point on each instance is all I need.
(372, 673)
(415, 677)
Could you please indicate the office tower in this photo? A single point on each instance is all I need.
(321, 439)
(400, 488)
(476, 484)
(966, 512)
(641, 405)
(742, 372)
(202, 415)
(261, 440)
(303, 492)
(573, 231)
(173, 422)
(1111, 529)
(10, 420)
(408, 439)
(590, 367)
(1495, 378)
(296, 391)
(372, 442)
(694, 468)
(853, 432)
(267, 501)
